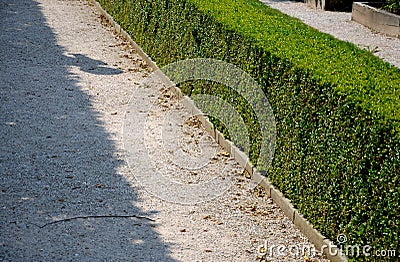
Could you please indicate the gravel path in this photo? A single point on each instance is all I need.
(340, 25)
(67, 192)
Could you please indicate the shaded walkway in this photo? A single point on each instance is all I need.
(56, 159)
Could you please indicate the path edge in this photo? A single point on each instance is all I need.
(322, 243)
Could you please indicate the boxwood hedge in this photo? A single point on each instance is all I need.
(336, 106)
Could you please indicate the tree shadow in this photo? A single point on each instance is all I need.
(56, 160)
(92, 66)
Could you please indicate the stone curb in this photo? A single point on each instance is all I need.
(376, 19)
(320, 242)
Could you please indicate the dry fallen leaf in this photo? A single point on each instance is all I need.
(224, 153)
(246, 174)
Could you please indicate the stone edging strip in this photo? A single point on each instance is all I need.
(376, 19)
(332, 252)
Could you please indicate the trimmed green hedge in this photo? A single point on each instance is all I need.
(336, 106)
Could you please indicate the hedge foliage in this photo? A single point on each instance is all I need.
(337, 107)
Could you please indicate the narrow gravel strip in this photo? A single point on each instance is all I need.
(67, 192)
(340, 25)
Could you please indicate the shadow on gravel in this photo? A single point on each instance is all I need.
(92, 66)
(56, 161)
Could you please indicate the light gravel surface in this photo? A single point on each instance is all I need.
(340, 25)
(67, 191)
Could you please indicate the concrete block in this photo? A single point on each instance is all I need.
(224, 143)
(249, 168)
(239, 156)
(376, 19)
(188, 104)
(332, 252)
(308, 230)
(209, 127)
(262, 181)
(283, 203)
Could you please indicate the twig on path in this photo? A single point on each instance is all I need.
(94, 216)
